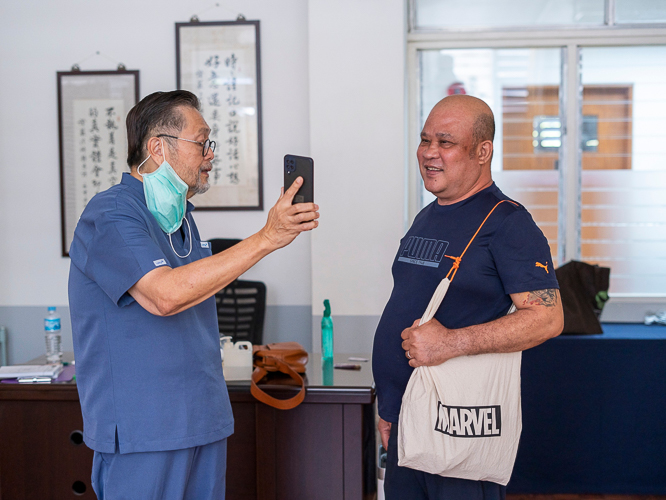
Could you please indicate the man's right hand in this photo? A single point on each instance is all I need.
(384, 429)
(286, 221)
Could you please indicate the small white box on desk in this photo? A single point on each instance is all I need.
(24, 371)
(237, 360)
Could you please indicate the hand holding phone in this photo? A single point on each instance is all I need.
(300, 166)
(295, 211)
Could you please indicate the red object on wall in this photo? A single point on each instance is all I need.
(456, 88)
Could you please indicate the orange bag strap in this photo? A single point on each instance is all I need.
(456, 260)
(280, 404)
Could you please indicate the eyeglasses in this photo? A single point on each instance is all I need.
(208, 144)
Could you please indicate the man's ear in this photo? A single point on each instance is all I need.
(154, 147)
(484, 152)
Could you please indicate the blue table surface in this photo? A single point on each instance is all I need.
(593, 414)
(623, 331)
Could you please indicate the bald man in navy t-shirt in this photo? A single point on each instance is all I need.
(508, 262)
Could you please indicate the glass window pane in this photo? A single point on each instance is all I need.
(640, 11)
(624, 177)
(521, 86)
(443, 14)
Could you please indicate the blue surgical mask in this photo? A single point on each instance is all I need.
(166, 198)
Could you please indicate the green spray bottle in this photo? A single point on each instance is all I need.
(327, 333)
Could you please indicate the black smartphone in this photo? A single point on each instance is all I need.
(295, 166)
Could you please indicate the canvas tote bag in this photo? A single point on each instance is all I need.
(462, 418)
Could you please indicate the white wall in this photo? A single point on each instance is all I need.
(338, 65)
(39, 38)
(357, 72)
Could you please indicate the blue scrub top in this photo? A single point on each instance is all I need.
(146, 383)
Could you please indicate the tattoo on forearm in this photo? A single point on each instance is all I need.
(546, 298)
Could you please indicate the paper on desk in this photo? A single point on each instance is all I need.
(20, 371)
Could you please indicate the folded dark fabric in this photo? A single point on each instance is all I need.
(584, 290)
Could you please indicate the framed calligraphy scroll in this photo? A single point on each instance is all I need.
(92, 106)
(219, 62)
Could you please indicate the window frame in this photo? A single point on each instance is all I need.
(626, 307)
(609, 23)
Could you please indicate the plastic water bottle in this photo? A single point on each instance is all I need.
(327, 333)
(53, 337)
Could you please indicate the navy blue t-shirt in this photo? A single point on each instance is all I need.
(509, 255)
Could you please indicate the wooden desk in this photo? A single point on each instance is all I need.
(323, 449)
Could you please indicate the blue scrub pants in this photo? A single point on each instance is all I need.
(197, 473)
(403, 483)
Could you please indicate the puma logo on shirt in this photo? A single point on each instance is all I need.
(423, 251)
(539, 264)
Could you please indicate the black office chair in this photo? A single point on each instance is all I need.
(241, 305)
(218, 245)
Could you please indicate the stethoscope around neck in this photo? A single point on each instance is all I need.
(171, 242)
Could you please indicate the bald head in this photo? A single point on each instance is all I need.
(478, 114)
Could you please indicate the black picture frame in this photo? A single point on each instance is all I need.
(230, 95)
(101, 158)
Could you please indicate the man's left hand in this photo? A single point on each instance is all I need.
(538, 317)
(429, 344)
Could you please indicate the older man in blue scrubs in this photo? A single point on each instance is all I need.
(154, 401)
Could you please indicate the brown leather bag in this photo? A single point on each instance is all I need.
(286, 357)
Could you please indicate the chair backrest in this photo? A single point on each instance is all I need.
(241, 307)
(218, 245)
